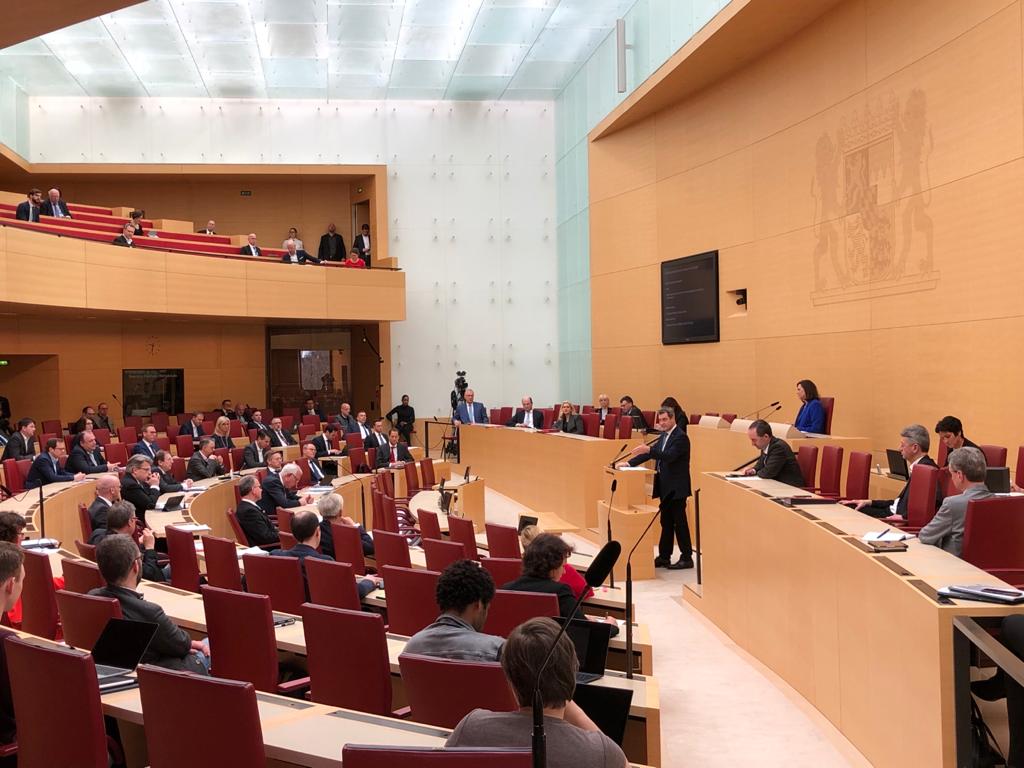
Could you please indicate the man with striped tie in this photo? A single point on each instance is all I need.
(316, 472)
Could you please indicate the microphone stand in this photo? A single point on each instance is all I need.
(777, 405)
(629, 595)
(622, 452)
(42, 513)
(746, 464)
(615, 484)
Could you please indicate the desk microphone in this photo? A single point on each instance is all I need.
(598, 571)
(746, 464)
(629, 590)
(776, 405)
(615, 484)
(622, 452)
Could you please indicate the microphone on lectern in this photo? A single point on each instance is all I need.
(776, 405)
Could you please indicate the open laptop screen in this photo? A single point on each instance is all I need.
(122, 643)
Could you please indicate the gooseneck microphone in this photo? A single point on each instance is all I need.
(615, 484)
(622, 452)
(629, 590)
(746, 464)
(776, 405)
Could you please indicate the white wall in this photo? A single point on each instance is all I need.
(13, 116)
(471, 203)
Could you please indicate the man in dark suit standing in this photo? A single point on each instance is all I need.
(22, 444)
(259, 529)
(396, 455)
(140, 486)
(29, 210)
(147, 445)
(279, 436)
(776, 461)
(250, 249)
(279, 490)
(255, 454)
(671, 454)
(46, 466)
(202, 464)
(527, 416)
(54, 206)
(126, 237)
(86, 457)
(332, 245)
(914, 444)
(362, 244)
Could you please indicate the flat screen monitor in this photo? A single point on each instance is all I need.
(689, 299)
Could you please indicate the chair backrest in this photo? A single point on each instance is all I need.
(391, 549)
(39, 601)
(387, 482)
(69, 442)
(288, 420)
(695, 418)
(237, 458)
(45, 437)
(995, 455)
(241, 630)
(994, 537)
(831, 470)
(461, 529)
(84, 522)
(502, 541)
(88, 551)
(69, 699)
(611, 421)
(591, 423)
(134, 421)
(942, 458)
(185, 447)
(807, 458)
(116, 453)
(359, 678)
(412, 604)
(430, 526)
(712, 413)
(371, 458)
(102, 436)
(307, 431)
(80, 576)
(280, 578)
(443, 691)
(208, 427)
(1019, 473)
(221, 557)
(441, 554)
(509, 609)
(236, 528)
(164, 444)
(179, 469)
(235, 429)
(494, 414)
(287, 540)
(921, 499)
(412, 478)
(727, 417)
(625, 429)
(348, 547)
(13, 476)
(427, 470)
(503, 569)
(284, 519)
(181, 548)
(858, 475)
(52, 425)
(374, 756)
(127, 435)
(161, 421)
(172, 704)
(83, 617)
(356, 458)
(506, 414)
(332, 584)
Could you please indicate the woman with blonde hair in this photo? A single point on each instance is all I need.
(570, 577)
(222, 433)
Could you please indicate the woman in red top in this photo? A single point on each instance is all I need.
(570, 577)
(353, 261)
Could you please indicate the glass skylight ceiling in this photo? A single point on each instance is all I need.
(324, 49)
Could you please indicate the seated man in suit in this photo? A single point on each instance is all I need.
(121, 520)
(914, 444)
(163, 465)
(527, 416)
(396, 455)
(193, 428)
(203, 464)
(464, 594)
(226, 411)
(255, 454)
(147, 445)
(102, 418)
(469, 411)
(322, 442)
(777, 460)
(259, 528)
(292, 255)
(88, 414)
(951, 431)
(22, 444)
(568, 421)
(967, 471)
(316, 472)
(306, 530)
(275, 461)
(29, 210)
(250, 249)
(279, 436)
(46, 466)
(127, 236)
(329, 506)
(628, 408)
(377, 438)
(257, 423)
(12, 580)
(365, 427)
(279, 490)
(140, 486)
(54, 205)
(171, 647)
(87, 457)
(108, 491)
(346, 420)
(210, 229)
(310, 408)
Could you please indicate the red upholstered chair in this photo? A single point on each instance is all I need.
(134, 422)
(1019, 473)
(287, 541)
(441, 554)
(831, 471)
(53, 426)
(224, 456)
(284, 519)
(70, 697)
(15, 471)
(332, 584)
(235, 429)
(828, 404)
(505, 414)
(510, 609)
(358, 679)
(858, 475)
(427, 471)
(69, 442)
(356, 458)
(430, 526)
(208, 427)
(161, 421)
(924, 482)
(116, 453)
(461, 530)
(412, 479)
(587, 409)
(591, 423)
(729, 417)
(354, 440)
(45, 437)
(391, 549)
(237, 458)
(242, 641)
(179, 469)
(236, 528)
(288, 421)
(995, 455)
(807, 458)
(172, 704)
(184, 445)
(695, 418)
(994, 537)
(84, 522)
(293, 412)
(348, 547)
(502, 541)
(412, 604)
(373, 756)
(164, 444)
(441, 691)
(941, 458)
(712, 413)
(495, 416)
(279, 578)
(371, 459)
(181, 548)
(84, 617)
(80, 576)
(377, 502)
(127, 435)
(503, 569)
(625, 429)
(102, 436)
(610, 423)
(308, 431)
(88, 551)
(39, 601)
(221, 557)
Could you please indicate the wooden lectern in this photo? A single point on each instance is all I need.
(631, 511)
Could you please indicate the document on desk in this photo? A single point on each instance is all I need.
(888, 535)
(191, 527)
(633, 469)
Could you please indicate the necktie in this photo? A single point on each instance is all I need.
(394, 454)
(661, 445)
(317, 474)
(469, 407)
(280, 437)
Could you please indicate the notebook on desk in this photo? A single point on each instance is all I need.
(119, 649)
(897, 464)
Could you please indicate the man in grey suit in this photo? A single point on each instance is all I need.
(967, 471)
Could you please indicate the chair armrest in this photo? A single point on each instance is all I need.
(292, 687)
(6, 750)
(403, 714)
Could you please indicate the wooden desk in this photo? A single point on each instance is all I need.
(61, 502)
(861, 636)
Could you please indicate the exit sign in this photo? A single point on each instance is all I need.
(246, 193)
(4, 362)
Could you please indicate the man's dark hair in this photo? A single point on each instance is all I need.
(86, 408)
(246, 484)
(331, 427)
(544, 554)
(626, 399)
(160, 456)
(35, 191)
(304, 525)
(668, 412)
(51, 443)
(11, 558)
(524, 652)
(950, 424)
(225, 402)
(262, 435)
(810, 389)
(22, 423)
(461, 584)
(11, 525)
(115, 555)
(761, 427)
(365, 226)
(119, 514)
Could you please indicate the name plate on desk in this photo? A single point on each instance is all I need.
(784, 430)
(741, 425)
(713, 422)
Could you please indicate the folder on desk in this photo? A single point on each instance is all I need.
(985, 593)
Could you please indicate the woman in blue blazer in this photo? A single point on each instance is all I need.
(811, 416)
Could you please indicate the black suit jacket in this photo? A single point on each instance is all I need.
(246, 250)
(219, 441)
(192, 430)
(375, 440)
(98, 513)
(42, 472)
(882, 507)
(520, 416)
(251, 459)
(639, 422)
(566, 599)
(276, 495)
(142, 496)
(18, 447)
(167, 483)
(27, 212)
(321, 445)
(672, 463)
(778, 462)
(201, 469)
(47, 209)
(574, 424)
(143, 449)
(324, 251)
(302, 551)
(122, 240)
(302, 256)
(276, 442)
(78, 461)
(384, 455)
(258, 528)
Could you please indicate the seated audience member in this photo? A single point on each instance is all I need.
(310, 408)
(256, 422)
(222, 433)
(225, 410)
(193, 428)
(332, 245)
(572, 738)
(951, 431)
(250, 248)
(12, 530)
(469, 411)
(255, 454)
(46, 468)
(777, 460)
(681, 420)
(259, 528)
(361, 245)
(364, 428)
(322, 442)
(54, 205)
(570, 576)
(127, 236)
(171, 647)
(464, 594)
(141, 486)
(353, 261)
(377, 438)
(29, 210)
(306, 530)
(526, 416)
(147, 446)
(22, 444)
(279, 490)
(209, 229)
(88, 412)
(203, 464)
(811, 416)
(914, 444)
(627, 408)
(163, 465)
(346, 420)
(568, 421)
(603, 407)
(102, 418)
(108, 490)
(396, 455)
(292, 255)
(293, 235)
(136, 223)
(279, 436)
(329, 506)
(316, 472)
(275, 461)
(12, 579)
(967, 471)
(403, 416)
(88, 426)
(121, 520)
(87, 457)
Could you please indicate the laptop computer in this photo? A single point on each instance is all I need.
(119, 649)
(524, 521)
(997, 479)
(897, 464)
(591, 641)
(608, 707)
(173, 503)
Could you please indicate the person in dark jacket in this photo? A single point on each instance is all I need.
(568, 421)
(777, 460)
(279, 490)
(140, 486)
